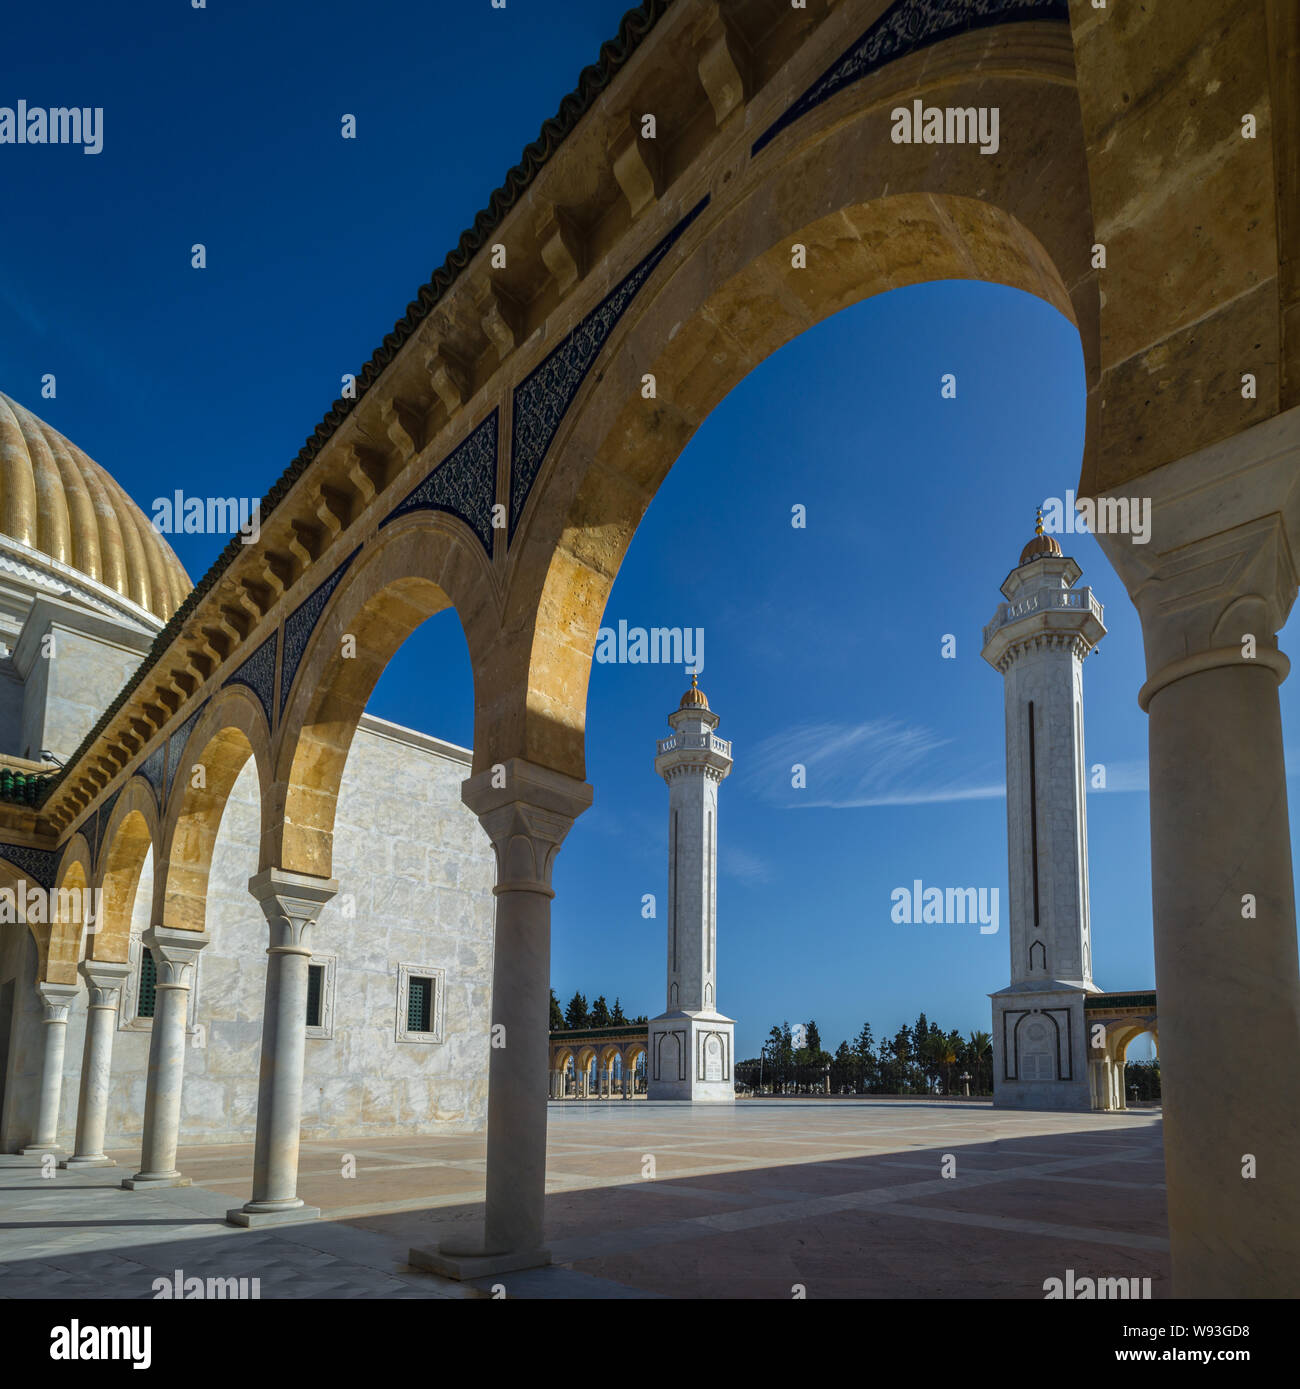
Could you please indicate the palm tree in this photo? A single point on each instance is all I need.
(980, 1044)
(947, 1055)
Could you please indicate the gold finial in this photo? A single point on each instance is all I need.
(1038, 525)
(695, 680)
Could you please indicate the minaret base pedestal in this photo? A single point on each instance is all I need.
(1040, 1047)
(691, 1057)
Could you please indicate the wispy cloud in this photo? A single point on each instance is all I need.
(740, 863)
(877, 763)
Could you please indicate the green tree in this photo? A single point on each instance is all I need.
(599, 1016)
(557, 1017)
(616, 1017)
(575, 1015)
(951, 1047)
(901, 1051)
(814, 1040)
(980, 1047)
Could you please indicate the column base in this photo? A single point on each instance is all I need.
(256, 1214)
(468, 1264)
(37, 1149)
(142, 1181)
(75, 1161)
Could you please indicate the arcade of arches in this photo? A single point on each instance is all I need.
(599, 1063)
(502, 449)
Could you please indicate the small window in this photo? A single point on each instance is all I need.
(419, 1004)
(315, 994)
(421, 998)
(148, 984)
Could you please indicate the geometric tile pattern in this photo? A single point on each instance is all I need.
(258, 674)
(464, 484)
(176, 746)
(542, 397)
(40, 865)
(300, 624)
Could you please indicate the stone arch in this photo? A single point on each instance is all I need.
(873, 216)
(1121, 1035)
(413, 569)
(605, 1066)
(132, 831)
(633, 1053)
(582, 1068)
(58, 938)
(230, 730)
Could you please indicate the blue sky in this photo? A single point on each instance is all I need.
(822, 646)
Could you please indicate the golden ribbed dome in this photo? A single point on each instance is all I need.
(56, 500)
(694, 698)
(1040, 545)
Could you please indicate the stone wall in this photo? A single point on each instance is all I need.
(415, 877)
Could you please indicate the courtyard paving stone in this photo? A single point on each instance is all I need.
(842, 1197)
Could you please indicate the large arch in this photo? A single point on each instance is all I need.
(417, 567)
(131, 833)
(231, 729)
(872, 216)
(61, 949)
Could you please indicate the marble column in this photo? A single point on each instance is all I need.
(176, 955)
(627, 1081)
(1213, 586)
(526, 815)
(56, 1001)
(291, 902)
(104, 980)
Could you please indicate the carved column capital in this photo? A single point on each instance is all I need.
(526, 810)
(292, 904)
(56, 1000)
(104, 979)
(1220, 564)
(175, 954)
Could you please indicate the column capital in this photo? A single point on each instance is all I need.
(175, 954)
(56, 1000)
(291, 903)
(1221, 559)
(104, 979)
(527, 810)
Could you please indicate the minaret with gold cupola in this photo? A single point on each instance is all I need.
(691, 1044)
(1037, 641)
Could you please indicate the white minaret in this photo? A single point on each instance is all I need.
(691, 1043)
(1037, 641)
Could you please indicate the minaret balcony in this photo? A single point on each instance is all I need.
(694, 742)
(1046, 610)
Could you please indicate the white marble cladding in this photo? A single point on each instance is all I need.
(1059, 941)
(1043, 600)
(1040, 1050)
(416, 872)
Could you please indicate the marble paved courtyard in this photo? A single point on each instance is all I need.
(845, 1197)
